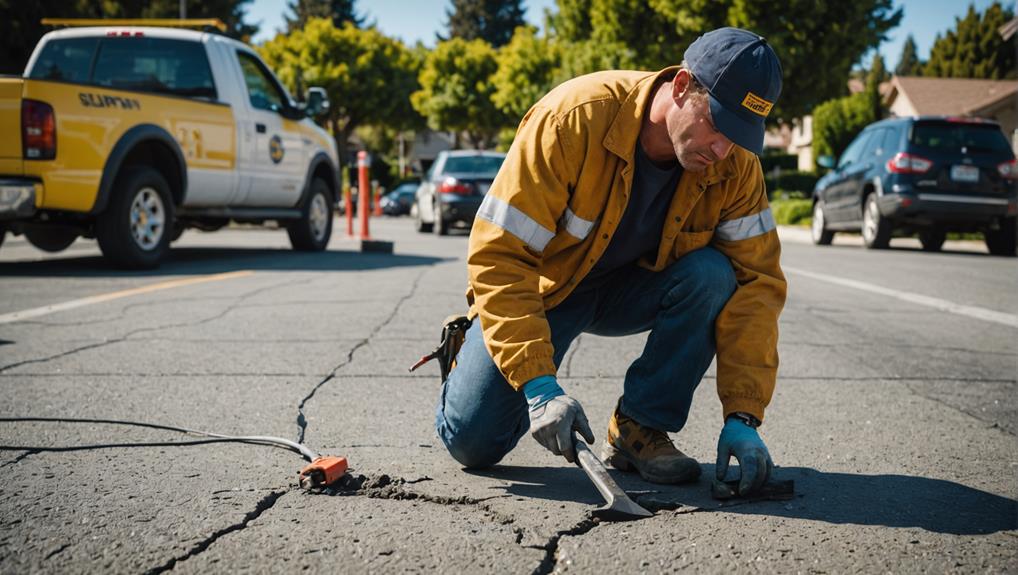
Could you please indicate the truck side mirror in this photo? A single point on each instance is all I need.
(317, 102)
(826, 162)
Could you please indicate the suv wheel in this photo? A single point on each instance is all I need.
(821, 235)
(312, 231)
(876, 229)
(51, 238)
(134, 231)
(1002, 242)
(419, 224)
(932, 239)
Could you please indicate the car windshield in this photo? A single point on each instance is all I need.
(953, 136)
(473, 164)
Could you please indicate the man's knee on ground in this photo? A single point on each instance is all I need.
(474, 451)
(704, 273)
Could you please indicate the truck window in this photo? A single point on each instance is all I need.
(262, 90)
(163, 66)
(67, 60)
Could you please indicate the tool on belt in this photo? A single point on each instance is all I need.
(454, 330)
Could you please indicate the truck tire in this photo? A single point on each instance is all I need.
(876, 229)
(51, 238)
(419, 224)
(932, 239)
(135, 230)
(3, 234)
(312, 231)
(1002, 242)
(818, 229)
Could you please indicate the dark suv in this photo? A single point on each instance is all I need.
(927, 175)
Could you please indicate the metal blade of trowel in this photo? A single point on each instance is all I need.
(618, 506)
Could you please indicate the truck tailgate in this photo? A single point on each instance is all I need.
(10, 118)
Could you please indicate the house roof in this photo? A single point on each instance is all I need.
(951, 96)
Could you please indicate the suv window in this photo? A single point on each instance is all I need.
(262, 90)
(874, 143)
(67, 60)
(953, 136)
(890, 143)
(160, 65)
(854, 150)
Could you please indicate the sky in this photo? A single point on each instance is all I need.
(413, 20)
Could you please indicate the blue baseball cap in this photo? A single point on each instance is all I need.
(742, 75)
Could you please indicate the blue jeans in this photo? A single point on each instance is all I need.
(480, 417)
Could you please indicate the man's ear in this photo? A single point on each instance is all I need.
(681, 85)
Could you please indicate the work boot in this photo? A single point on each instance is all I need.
(630, 445)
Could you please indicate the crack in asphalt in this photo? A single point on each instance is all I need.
(56, 551)
(263, 505)
(19, 458)
(235, 303)
(550, 560)
(302, 423)
(994, 424)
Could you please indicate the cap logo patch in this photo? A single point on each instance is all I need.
(757, 105)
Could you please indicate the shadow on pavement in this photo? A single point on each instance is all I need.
(841, 498)
(190, 261)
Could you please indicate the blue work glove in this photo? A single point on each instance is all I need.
(742, 441)
(554, 415)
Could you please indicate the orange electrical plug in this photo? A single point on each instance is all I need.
(323, 471)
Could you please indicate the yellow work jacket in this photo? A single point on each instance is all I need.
(551, 212)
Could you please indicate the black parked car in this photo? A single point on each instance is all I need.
(926, 175)
(398, 201)
(453, 189)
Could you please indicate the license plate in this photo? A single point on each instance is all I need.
(969, 174)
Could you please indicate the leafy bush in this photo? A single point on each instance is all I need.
(793, 181)
(787, 162)
(792, 212)
(837, 122)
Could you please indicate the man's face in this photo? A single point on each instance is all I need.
(697, 143)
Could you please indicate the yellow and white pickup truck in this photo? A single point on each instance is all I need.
(131, 134)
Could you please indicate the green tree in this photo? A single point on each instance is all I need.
(457, 88)
(368, 76)
(20, 29)
(908, 64)
(974, 49)
(493, 21)
(818, 41)
(836, 122)
(340, 11)
(876, 76)
(526, 70)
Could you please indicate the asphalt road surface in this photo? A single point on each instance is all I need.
(895, 414)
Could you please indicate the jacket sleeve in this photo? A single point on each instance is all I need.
(747, 328)
(515, 222)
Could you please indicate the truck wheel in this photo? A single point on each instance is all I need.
(3, 233)
(932, 239)
(419, 224)
(312, 231)
(134, 231)
(821, 235)
(876, 229)
(51, 238)
(1002, 242)
(441, 227)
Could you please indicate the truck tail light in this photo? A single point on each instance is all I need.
(453, 186)
(38, 130)
(1008, 169)
(903, 163)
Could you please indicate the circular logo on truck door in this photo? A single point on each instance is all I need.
(276, 149)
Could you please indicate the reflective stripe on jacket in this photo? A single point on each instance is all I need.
(552, 210)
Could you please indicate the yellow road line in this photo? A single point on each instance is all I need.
(48, 309)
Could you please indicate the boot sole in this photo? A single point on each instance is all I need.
(621, 461)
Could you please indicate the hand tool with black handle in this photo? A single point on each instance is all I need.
(618, 506)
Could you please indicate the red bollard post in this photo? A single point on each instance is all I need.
(348, 211)
(365, 193)
(378, 201)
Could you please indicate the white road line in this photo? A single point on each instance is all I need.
(936, 303)
(48, 309)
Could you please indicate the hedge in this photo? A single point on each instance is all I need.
(793, 181)
(792, 212)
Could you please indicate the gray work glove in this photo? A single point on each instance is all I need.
(552, 424)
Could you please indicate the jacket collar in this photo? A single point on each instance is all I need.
(625, 129)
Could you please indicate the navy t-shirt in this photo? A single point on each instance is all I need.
(639, 232)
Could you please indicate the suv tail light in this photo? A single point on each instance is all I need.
(38, 130)
(1008, 169)
(453, 186)
(903, 163)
